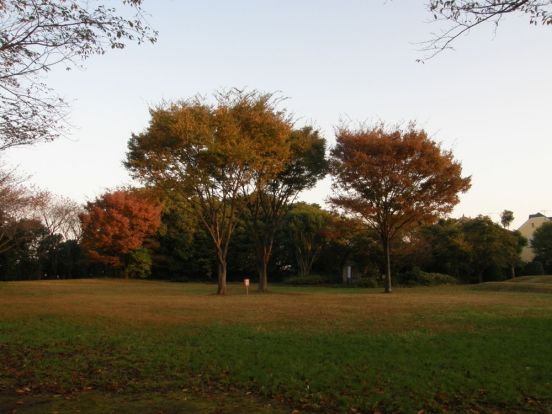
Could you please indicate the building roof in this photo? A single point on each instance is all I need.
(538, 215)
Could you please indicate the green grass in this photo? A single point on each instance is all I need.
(161, 347)
(536, 284)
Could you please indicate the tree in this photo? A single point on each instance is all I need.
(17, 202)
(506, 218)
(542, 245)
(394, 180)
(513, 245)
(22, 259)
(449, 252)
(308, 229)
(465, 15)
(116, 225)
(37, 35)
(302, 164)
(183, 248)
(60, 215)
(210, 153)
(490, 246)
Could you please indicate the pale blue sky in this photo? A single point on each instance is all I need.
(489, 100)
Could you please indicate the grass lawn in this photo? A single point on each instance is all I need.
(102, 346)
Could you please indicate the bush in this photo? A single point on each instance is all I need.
(534, 268)
(367, 282)
(307, 280)
(418, 277)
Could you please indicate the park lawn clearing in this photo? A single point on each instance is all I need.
(167, 347)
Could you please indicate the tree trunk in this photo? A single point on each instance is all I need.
(262, 270)
(388, 288)
(513, 268)
(480, 276)
(264, 252)
(221, 290)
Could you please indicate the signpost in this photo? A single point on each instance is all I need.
(246, 284)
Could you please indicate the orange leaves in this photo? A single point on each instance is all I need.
(116, 224)
(394, 178)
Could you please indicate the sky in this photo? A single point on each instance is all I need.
(335, 60)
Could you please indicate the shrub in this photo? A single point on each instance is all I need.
(418, 277)
(367, 282)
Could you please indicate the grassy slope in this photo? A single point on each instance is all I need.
(537, 284)
(106, 343)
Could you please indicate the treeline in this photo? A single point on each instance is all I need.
(131, 233)
(220, 183)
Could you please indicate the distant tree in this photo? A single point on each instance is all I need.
(506, 218)
(183, 248)
(115, 225)
(35, 36)
(464, 15)
(348, 239)
(17, 202)
(513, 245)
(273, 191)
(22, 259)
(60, 215)
(490, 245)
(209, 153)
(65, 259)
(449, 252)
(394, 180)
(542, 245)
(309, 230)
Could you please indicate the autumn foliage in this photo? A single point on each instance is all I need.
(394, 180)
(117, 224)
(210, 154)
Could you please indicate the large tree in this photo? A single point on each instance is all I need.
(464, 15)
(37, 35)
(272, 193)
(115, 226)
(210, 153)
(394, 180)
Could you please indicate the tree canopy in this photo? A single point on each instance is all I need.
(115, 226)
(211, 153)
(394, 180)
(273, 192)
(506, 218)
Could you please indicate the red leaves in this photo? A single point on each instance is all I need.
(117, 223)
